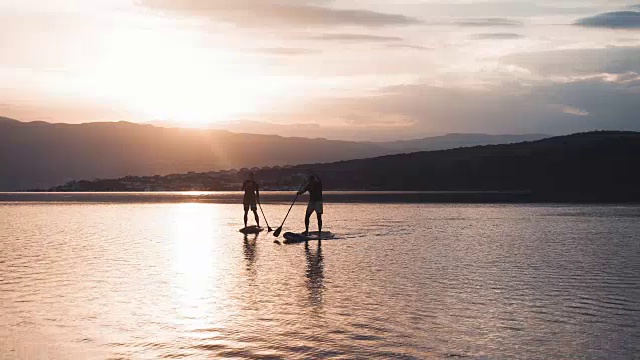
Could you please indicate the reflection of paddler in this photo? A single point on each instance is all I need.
(315, 273)
(250, 250)
(250, 199)
(314, 187)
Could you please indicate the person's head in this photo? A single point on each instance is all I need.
(252, 176)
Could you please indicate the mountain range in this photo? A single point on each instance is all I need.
(41, 154)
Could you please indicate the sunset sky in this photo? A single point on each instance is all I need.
(399, 67)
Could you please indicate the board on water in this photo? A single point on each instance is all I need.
(253, 229)
(294, 238)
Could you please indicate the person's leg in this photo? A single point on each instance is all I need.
(307, 216)
(306, 221)
(255, 214)
(246, 211)
(319, 210)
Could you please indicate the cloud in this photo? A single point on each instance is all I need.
(613, 20)
(497, 36)
(579, 62)
(261, 13)
(504, 8)
(586, 105)
(574, 111)
(629, 77)
(356, 38)
(610, 105)
(410, 47)
(490, 22)
(282, 51)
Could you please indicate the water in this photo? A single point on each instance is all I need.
(123, 280)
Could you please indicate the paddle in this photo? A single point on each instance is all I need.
(269, 229)
(279, 230)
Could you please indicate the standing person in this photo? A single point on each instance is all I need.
(314, 187)
(251, 196)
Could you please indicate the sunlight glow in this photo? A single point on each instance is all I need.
(168, 75)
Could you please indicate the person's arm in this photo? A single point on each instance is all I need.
(244, 185)
(304, 189)
(257, 190)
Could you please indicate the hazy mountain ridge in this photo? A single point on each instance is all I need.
(309, 130)
(409, 138)
(41, 155)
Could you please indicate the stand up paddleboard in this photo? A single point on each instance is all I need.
(253, 229)
(294, 238)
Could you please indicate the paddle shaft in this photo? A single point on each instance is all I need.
(265, 218)
(278, 230)
(291, 207)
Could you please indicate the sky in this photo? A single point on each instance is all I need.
(352, 69)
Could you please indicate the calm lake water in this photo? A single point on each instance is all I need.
(144, 280)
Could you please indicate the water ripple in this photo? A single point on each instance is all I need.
(176, 280)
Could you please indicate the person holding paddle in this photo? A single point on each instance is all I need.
(251, 198)
(314, 187)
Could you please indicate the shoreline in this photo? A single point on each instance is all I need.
(285, 197)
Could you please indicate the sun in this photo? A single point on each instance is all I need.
(169, 75)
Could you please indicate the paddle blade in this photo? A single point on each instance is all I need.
(277, 232)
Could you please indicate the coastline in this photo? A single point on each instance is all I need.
(277, 197)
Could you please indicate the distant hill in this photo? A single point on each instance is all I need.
(595, 166)
(41, 155)
(7, 120)
(452, 141)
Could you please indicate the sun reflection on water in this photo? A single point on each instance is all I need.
(194, 258)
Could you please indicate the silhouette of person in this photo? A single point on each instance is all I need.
(315, 273)
(251, 196)
(314, 187)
